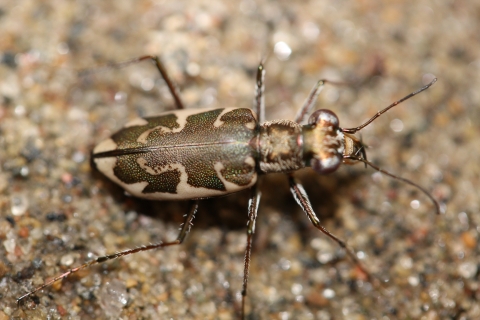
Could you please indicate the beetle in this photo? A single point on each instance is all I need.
(191, 154)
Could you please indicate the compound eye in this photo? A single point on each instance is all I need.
(327, 164)
(324, 118)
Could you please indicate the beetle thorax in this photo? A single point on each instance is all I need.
(280, 146)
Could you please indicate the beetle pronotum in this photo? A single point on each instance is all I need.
(191, 154)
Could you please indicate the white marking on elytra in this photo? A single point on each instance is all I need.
(143, 137)
(250, 125)
(106, 165)
(183, 114)
(184, 188)
(250, 161)
(105, 145)
(230, 186)
(136, 122)
(135, 189)
(153, 171)
(218, 123)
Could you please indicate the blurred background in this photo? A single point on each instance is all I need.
(56, 212)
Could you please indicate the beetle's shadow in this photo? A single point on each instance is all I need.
(231, 211)
(326, 193)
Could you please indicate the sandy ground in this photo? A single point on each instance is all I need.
(56, 212)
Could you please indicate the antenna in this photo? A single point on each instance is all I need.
(379, 113)
(428, 194)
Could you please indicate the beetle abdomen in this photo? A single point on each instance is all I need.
(183, 154)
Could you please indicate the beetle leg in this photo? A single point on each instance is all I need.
(259, 102)
(163, 72)
(158, 63)
(185, 228)
(308, 105)
(253, 203)
(171, 86)
(302, 199)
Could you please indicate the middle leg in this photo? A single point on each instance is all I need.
(253, 203)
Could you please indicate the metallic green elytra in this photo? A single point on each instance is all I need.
(183, 154)
(195, 154)
(192, 154)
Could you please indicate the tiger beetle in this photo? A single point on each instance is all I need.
(191, 154)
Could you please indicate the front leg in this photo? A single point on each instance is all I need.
(302, 199)
(253, 203)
